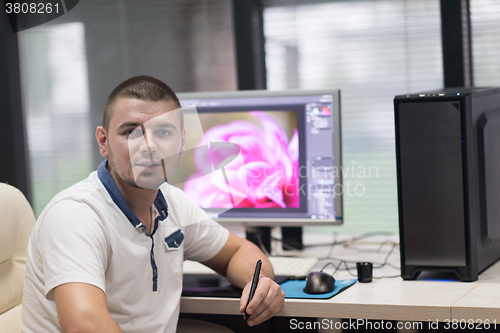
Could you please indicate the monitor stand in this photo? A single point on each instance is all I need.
(260, 236)
(291, 237)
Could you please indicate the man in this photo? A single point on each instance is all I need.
(106, 254)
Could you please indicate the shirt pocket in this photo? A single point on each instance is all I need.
(174, 254)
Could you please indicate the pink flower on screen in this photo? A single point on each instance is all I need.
(271, 166)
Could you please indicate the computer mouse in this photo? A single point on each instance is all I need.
(319, 283)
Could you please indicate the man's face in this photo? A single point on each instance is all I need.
(144, 142)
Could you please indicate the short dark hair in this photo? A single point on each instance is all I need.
(141, 87)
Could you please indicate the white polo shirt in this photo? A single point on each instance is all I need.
(88, 234)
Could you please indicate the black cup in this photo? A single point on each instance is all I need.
(365, 271)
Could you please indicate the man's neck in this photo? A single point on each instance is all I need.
(139, 200)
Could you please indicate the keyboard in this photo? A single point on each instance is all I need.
(283, 266)
(292, 266)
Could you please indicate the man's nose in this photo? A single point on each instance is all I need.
(149, 147)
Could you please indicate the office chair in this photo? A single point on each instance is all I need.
(16, 224)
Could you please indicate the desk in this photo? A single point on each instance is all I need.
(388, 298)
(482, 302)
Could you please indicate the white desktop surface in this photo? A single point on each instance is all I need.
(387, 298)
(483, 302)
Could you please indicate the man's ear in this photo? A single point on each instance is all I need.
(183, 145)
(102, 141)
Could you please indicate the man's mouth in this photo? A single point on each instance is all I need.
(147, 163)
(146, 166)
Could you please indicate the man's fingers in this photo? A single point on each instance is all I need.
(275, 307)
(244, 297)
(268, 300)
(274, 293)
(260, 293)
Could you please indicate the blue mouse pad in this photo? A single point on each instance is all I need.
(294, 289)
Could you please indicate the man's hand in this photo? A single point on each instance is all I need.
(267, 301)
(237, 261)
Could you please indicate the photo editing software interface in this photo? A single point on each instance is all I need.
(263, 158)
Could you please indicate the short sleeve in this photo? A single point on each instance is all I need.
(204, 240)
(73, 245)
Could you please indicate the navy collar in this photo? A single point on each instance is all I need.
(113, 191)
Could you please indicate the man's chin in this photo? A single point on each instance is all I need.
(148, 183)
(149, 178)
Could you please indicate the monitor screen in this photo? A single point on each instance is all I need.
(263, 157)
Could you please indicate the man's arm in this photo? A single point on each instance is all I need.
(82, 307)
(237, 261)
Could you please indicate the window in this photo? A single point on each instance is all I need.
(485, 28)
(71, 64)
(372, 51)
(57, 105)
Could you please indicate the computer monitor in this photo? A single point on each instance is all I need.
(290, 144)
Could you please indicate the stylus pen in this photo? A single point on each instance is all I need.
(255, 280)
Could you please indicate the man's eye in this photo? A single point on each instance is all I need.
(134, 133)
(162, 133)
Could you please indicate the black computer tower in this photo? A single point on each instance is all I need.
(448, 171)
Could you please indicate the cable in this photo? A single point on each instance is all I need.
(330, 263)
(288, 246)
(261, 244)
(353, 239)
(379, 249)
(387, 257)
(337, 268)
(381, 245)
(355, 275)
(350, 244)
(333, 244)
(385, 263)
